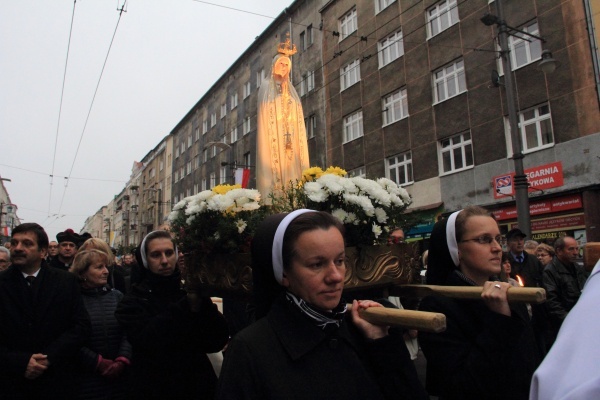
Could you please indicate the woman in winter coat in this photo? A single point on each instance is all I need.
(471, 358)
(105, 358)
(170, 332)
(307, 346)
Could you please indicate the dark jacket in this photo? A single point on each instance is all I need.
(563, 284)
(482, 354)
(56, 263)
(170, 341)
(285, 356)
(107, 340)
(47, 318)
(530, 270)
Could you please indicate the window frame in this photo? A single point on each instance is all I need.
(247, 89)
(451, 9)
(234, 100)
(388, 106)
(454, 75)
(348, 73)
(353, 126)
(387, 45)
(523, 124)
(403, 168)
(348, 24)
(213, 119)
(462, 145)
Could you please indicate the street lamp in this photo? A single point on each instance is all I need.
(547, 65)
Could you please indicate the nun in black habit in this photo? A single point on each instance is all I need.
(306, 346)
(488, 350)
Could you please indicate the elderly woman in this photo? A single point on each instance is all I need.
(544, 252)
(169, 331)
(471, 359)
(104, 359)
(307, 346)
(116, 279)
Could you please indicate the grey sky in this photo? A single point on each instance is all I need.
(165, 55)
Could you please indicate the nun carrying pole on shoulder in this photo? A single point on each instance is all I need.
(305, 345)
(488, 350)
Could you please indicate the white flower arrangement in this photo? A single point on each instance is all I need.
(222, 219)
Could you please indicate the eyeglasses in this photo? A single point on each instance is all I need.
(485, 239)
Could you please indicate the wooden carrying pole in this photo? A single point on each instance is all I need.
(515, 294)
(409, 319)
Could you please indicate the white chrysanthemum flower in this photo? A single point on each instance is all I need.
(219, 203)
(241, 225)
(251, 206)
(205, 195)
(332, 183)
(190, 219)
(351, 218)
(349, 186)
(180, 205)
(376, 229)
(396, 201)
(363, 202)
(381, 215)
(340, 214)
(315, 192)
(173, 216)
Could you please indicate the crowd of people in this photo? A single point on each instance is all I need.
(75, 325)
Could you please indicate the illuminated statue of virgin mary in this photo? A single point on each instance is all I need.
(282, 152)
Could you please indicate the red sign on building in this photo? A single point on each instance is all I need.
(541, 177)
(571, 202)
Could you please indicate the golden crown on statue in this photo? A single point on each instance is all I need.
(286, 48)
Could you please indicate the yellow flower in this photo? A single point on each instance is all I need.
(222, 189)
(336, 171)
(311, 174)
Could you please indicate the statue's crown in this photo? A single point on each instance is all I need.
(286, 48)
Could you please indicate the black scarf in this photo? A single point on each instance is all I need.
(321, 318)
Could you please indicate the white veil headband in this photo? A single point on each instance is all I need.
(451, 237)
(143, 251)
(276, 255)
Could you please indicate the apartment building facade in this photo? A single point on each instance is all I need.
(409, 96)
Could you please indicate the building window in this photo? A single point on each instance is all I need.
(213, 119)
(246, 125)
(399, 168)
(247, 89)
(196, 162)
(204, 184)
(197, 131)
(223, 175)
(188, 192)
(525, 49)
(152, 173)
(213, 180)
(260, 76)
(205, 155)
(196, 187)
(247, 163)
(309, 36)
(213, 151)
(234, 135)
(395, 107)
(449, 81)
(350, 74)
(308, 83)
(357, 172)
(455, 153)
(177, 152)
(390, 48)
(348, 24)
(189, 167)
(381, 5)
(204, 126)
(182, 173)
(161, 165)
(303, 40)
(441, 17)
(311, 126)
(176, 177)
(175, 199)
(535, 126)
(353, 126)
(223, 110)
(234, 100)
(190, 141)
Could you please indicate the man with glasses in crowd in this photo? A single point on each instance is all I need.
(52, 250)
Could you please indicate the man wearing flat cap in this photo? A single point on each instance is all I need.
(67, 248)
(528, 267)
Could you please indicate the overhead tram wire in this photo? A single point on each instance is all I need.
(62, 93)
(91, 106)
(64, 177)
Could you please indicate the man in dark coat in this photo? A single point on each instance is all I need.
(43, 321)
(68, 242)
(527, 266)
(563, 281)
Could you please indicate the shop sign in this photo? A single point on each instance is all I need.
(541, 177)
(565, 203)
(572, 221)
